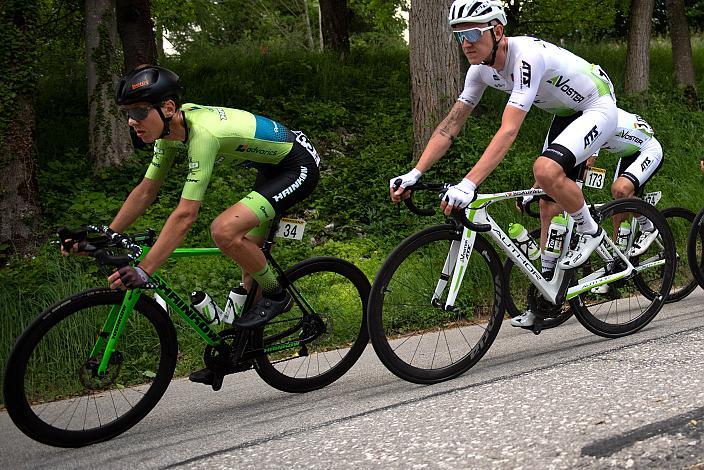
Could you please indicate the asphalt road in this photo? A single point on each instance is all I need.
(563, 399)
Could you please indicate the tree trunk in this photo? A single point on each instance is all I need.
(435, 68)
(637, 76)
(159, 41)
(682, 50)
(335, 21)
(108, 135)
(136, 29)
(320, 26)
(309, 32)
(19, 198)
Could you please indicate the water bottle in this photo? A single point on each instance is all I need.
(235, 303)
(624, 233)
(202, 302)
(556, 236)
(525, 242)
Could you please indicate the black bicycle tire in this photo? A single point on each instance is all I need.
(276, 379)
(696, 231)
(21, 413)
(600, 328)
(375, 321)
(688, 215)
(511, 308)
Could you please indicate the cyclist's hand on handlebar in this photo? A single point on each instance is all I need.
(128, 277)
(398, 185)
(77, 248)
(523, 202)
(458, 196)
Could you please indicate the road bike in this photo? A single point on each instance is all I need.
(437, 303)
(94, 364)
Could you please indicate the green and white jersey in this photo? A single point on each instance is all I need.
(542, 74)
(631, 136)
(213, 132)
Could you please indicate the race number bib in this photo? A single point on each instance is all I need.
(595, 178)
(291, 228)
(652, 198)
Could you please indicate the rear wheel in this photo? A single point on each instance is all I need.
(414, 336)
(334, 293)
(621, 309)
(52, 388)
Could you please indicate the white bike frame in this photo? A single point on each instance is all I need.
(460, 251)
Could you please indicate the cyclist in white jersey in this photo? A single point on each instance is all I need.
(640, 157)
(532, 72)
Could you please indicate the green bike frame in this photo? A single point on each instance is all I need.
(119, 314)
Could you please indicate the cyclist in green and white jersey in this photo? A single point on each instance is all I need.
(640, 157)
(532, 72)
(288, 173)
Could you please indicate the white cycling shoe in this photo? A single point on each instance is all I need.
(525, 320)
(644, 241)
(578, 255)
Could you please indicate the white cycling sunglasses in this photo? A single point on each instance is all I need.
(471, 34)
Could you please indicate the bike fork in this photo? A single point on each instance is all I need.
(112, 329)
(455, 265)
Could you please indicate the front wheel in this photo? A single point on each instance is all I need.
(695, 248)
(334, 295)
(415, 336)
(680, 222)
(53, 391)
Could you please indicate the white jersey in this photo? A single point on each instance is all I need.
(540, 73)
(632, 134)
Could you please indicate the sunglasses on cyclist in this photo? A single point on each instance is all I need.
(138, 114)
(471, 34)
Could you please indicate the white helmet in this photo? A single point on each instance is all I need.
(476, 11)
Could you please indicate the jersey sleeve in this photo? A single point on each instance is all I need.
(474, 87)
(527, 74)
(203, 149)
(164, 154)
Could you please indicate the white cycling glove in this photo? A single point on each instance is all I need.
(525, 200)
(460, 195)
(409, 179)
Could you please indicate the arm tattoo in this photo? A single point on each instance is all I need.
(453, 117)
(444, 131)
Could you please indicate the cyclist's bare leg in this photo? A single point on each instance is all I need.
(246, 276)
(622, 188)
(552, 178)
(229, 231)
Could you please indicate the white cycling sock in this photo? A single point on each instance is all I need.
(585, 222)
(645, 224)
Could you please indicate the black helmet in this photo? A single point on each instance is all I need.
(150, 84)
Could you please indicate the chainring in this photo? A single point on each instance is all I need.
(541, 306)
(221, 356)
